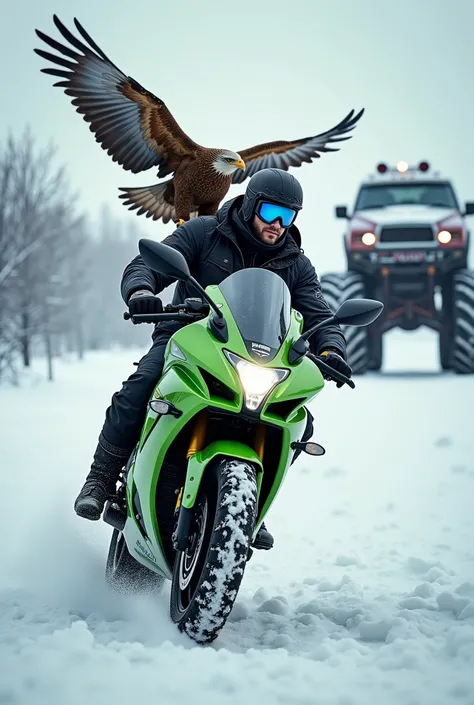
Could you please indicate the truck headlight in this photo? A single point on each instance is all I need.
(444, 236)
(369, 239)
(257, 381)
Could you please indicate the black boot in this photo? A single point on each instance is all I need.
(263, 539)
(101, 481)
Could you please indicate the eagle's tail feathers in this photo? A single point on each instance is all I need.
(154, 201)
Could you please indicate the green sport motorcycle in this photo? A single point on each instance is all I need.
(222, 427)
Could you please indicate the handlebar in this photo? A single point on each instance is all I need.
(190, 310)
(156, 317)
(338, 376)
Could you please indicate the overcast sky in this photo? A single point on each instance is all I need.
(235, 74)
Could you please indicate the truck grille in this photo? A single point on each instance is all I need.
(412, 234)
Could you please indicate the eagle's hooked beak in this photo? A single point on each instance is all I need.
(240, 164)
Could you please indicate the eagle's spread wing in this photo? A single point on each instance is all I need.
(283, 154)
(134, 126)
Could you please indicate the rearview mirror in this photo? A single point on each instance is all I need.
(358, 312)
(469, 208)
(341, 212)
(353, 312)
(164, 259)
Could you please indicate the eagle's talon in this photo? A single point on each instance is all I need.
(180, 222)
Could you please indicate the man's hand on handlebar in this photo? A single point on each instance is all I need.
(332, 358)
(144, 302)
(144, 307)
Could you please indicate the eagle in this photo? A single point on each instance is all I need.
(138, 131)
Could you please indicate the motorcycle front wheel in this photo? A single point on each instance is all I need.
(207, 576)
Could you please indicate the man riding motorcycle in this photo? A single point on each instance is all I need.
(256, 229)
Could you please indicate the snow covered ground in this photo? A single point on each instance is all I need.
(368, 595)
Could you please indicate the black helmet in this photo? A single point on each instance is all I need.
(273, 185)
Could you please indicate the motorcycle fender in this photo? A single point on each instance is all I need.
(198, 463)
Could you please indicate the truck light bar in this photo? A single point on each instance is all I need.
(402, 167)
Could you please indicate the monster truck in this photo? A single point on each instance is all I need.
(406, 244)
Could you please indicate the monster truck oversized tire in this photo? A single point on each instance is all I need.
(462, 357)
(337, 288)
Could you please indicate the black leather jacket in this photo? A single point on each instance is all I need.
(210, 246)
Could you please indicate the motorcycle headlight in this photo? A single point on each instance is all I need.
(257, 381)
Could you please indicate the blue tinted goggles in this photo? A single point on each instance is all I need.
(269, 212)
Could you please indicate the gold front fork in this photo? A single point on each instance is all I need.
(198, 435)
(196, 442)
(259, 442)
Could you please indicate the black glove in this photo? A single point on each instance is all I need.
(143, 301)
(337, 362)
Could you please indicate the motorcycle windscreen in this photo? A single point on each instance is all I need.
(260, 303)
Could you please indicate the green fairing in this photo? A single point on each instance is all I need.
(182, 385)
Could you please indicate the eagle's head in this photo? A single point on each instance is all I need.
(227, 162)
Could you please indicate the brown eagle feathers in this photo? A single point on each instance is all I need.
(139, 132)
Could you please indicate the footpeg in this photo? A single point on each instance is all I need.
(114, 515)
(263, 540)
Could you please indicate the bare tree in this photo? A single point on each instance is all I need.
(37, 221)
(78, 275)
(12, 255)
(60, 272)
